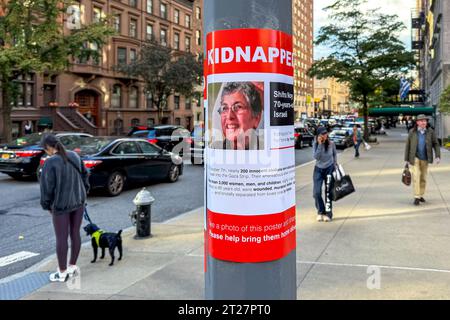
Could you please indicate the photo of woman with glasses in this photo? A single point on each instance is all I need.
(236, 116)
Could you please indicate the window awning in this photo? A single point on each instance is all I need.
(396, 111)
(45, 122)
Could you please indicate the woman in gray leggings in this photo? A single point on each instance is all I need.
(64, 185)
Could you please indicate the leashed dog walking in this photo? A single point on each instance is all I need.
(104, 240)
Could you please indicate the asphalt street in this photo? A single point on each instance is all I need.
(24, 226)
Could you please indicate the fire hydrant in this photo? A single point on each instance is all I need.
(141, 217)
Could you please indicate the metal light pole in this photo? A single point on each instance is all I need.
(228, 279)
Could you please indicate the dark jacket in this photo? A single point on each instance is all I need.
(431, 143)
(63, 187)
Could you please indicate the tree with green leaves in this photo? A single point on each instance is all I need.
(367, 54)
(165, 71)
(33, 39)
(444, 105)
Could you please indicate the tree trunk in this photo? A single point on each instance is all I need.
(6, 115)
(366, 118)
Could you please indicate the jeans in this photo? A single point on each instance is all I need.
(357, 145)
(320, 177)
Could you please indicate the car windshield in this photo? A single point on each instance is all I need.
(338, 133)
(29, 140)
(89, 145)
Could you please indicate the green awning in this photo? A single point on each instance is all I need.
(45, 122)
(396, 111)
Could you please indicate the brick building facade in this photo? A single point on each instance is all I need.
(112, 101)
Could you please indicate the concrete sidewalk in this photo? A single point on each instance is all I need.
(376, 226)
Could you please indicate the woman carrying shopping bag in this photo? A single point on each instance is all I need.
(326, 160)
(357, 140)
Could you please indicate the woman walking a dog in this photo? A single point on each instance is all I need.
(64, 185)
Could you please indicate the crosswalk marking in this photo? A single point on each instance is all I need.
(16, 257)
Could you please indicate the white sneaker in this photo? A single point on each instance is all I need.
(327, 219)
(72, 269)
(320, 218)
(59, 276)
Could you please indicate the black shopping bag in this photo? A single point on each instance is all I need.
(343, 187)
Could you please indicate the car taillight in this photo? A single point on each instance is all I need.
(296, 135)
(42, 161)
(27, 154)
(91, 163)
(154, 141)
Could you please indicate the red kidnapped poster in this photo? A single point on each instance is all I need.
(250, 159)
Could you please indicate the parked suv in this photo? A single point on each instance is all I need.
(164, 136)
(303, 137)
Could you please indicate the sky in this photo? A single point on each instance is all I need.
(400, 7)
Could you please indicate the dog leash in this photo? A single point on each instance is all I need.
(86, 215)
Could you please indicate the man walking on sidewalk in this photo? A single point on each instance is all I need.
(419, 153)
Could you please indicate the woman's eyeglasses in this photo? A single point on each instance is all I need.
(236, 108)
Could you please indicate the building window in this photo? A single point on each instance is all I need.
(163, 37)
(133, 3)
(176, 16)
(188, 104)
(188, 21)
(135, 122)
(187, 44)
(121, 55)
(149, 32)
(176, 101)
(116, 22)
(25, 91)
(149, 6)
(149, 102)
(163, 9)
(96, 15)
(177, 121)
(133, 55)
(198, 13)
(133, 28)
(198, 36)
(176, 41)
(150, 122)
(116, 97)
(133, 103)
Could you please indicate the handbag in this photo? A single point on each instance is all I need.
(342, 187)
(367, 146)
(406, 176)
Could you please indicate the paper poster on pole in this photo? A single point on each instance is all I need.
(250, 157)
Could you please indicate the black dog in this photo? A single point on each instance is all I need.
(104, 240)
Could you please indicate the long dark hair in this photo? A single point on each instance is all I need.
(326, 144)
(50, 140)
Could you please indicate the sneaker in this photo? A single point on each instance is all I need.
(59, 276)
(416, 202)
(72, 269)
(327, 219)
(320, 218)
(422, 200)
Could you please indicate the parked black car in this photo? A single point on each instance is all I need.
(303, 137)
(113, 162)
(164, 136)
(341, 138)
(197, 145)
(21, 157)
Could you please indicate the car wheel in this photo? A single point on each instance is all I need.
(301, 144)
(174, 173)
(115, 184)
(311, 143)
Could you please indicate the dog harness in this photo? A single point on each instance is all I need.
(96, 235)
